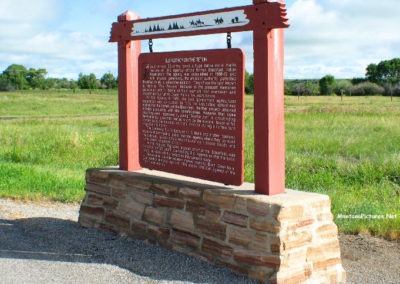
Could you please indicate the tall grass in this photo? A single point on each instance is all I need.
(48, 140)
(348, 150)
(49, 104)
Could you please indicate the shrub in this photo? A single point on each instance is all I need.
(367, 89)
(344, 86)
(396, 91)
(392, 90)
(301, 88)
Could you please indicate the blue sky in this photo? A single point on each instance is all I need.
(337, 37)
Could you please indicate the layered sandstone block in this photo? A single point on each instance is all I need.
(287, 238)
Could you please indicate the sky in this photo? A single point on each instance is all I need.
(68, 37)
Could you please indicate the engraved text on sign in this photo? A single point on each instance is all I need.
(191, 113)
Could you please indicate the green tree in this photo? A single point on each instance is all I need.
(372, 73)
(301, 87)
(63, 83)
(37, 78)
(356, 81)
(298, 88)
(287, 88)
(15, 75)
(327, 85)
(108, 81)
(4, 83)
(386, 73)
(73, 85)
(311, 88)
(249, 83)
(88, 81)
(51, 83)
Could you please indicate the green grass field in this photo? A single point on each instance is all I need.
(347, 149)
(48, 140)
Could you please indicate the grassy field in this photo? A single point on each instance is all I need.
(347, 149)
(48, 140)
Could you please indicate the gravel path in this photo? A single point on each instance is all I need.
(42, 243)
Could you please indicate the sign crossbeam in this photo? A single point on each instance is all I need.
(264, 16)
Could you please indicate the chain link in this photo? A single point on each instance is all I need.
(229, 40)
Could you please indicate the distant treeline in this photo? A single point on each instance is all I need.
(380, 79)
(18, 77)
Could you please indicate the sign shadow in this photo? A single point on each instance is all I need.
(58, 240)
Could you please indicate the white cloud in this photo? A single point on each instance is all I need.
(28, 11)
(325, 37)
(22, 18)
(30, 35)
(340, 37)
(72, 52)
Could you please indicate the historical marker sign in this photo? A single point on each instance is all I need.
(191, 113)
(266, 20)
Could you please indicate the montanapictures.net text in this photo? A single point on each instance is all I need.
(367, 216)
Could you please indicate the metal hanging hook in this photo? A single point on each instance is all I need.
(151, 45)
(229, 40)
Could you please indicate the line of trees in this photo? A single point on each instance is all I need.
(328, 85)
(380, 79)
(18, 77)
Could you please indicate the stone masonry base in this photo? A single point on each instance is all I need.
(286, 238)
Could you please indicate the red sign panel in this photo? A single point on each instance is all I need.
(191, 113)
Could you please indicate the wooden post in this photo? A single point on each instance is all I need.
(128, 53)
(269, 128)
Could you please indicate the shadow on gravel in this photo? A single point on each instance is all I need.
(62, 240)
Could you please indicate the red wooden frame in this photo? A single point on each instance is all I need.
(128, 54)
(266, 20)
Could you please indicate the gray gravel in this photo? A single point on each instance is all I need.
(370, 260)
(43, 243)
